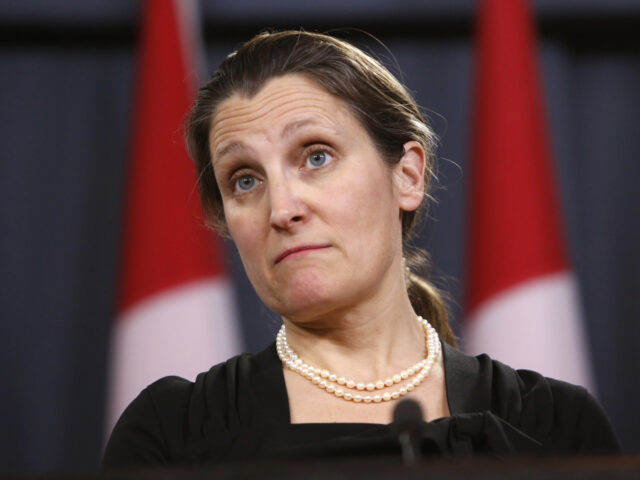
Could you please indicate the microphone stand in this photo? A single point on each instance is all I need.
(407, 422)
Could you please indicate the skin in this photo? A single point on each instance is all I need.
(315, 214)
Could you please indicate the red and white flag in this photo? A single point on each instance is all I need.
(175, 313)
(522, 300)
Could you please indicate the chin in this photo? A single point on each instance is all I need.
(307, 295)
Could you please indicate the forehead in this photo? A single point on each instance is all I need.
(283, 104)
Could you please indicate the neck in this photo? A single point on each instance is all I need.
(363, 342)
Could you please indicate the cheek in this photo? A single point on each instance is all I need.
(244, 231)
(365, 205)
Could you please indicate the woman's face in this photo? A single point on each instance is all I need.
(313, 209)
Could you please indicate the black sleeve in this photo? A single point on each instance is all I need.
(566, 417)
(151, 427)
(594, 433)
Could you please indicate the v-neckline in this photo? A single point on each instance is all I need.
(457, 378)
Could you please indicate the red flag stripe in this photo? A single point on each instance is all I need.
(165, 243)
(515, 232)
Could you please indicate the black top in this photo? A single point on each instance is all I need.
(239, 410)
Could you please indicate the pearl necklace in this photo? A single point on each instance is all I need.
(324, 379)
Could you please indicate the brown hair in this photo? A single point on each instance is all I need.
(381, 104)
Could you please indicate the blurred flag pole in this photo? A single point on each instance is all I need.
(175, 310)
(522, 300)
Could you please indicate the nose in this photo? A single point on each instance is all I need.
(288, 210)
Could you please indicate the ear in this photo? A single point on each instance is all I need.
(408, 176)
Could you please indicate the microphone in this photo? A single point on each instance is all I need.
(407, 422)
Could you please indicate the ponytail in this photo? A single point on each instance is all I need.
(426, 299)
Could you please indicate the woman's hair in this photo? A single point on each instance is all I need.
(381, 104)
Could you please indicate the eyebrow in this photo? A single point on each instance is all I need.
(227, 149)
(290, 128)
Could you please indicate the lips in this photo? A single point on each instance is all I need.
(300, 248)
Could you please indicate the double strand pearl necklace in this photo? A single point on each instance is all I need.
(324, 379)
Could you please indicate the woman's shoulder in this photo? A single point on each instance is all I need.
(161, 423)
(562, 416)
(174, 391)
(172, 396)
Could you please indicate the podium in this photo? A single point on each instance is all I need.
(392, 468)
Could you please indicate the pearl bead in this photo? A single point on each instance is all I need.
(388, 382)
(331, 388)
(370, 387)
(341, 381)
(333, 377)
(339, 392)
(394, 395)
(377, 398)
(404, 375)
(323, 384)
(351, 384)
(386, 396)
(360, 386)
(324, 373)
(379, 384)
(397, 378)
(357, 398)
(367, 399)
(348, 396)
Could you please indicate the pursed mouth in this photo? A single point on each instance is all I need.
(302, 248)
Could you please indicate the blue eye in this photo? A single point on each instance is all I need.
(245, 183)
(317, 159)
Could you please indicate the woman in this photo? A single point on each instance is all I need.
(316, 161)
